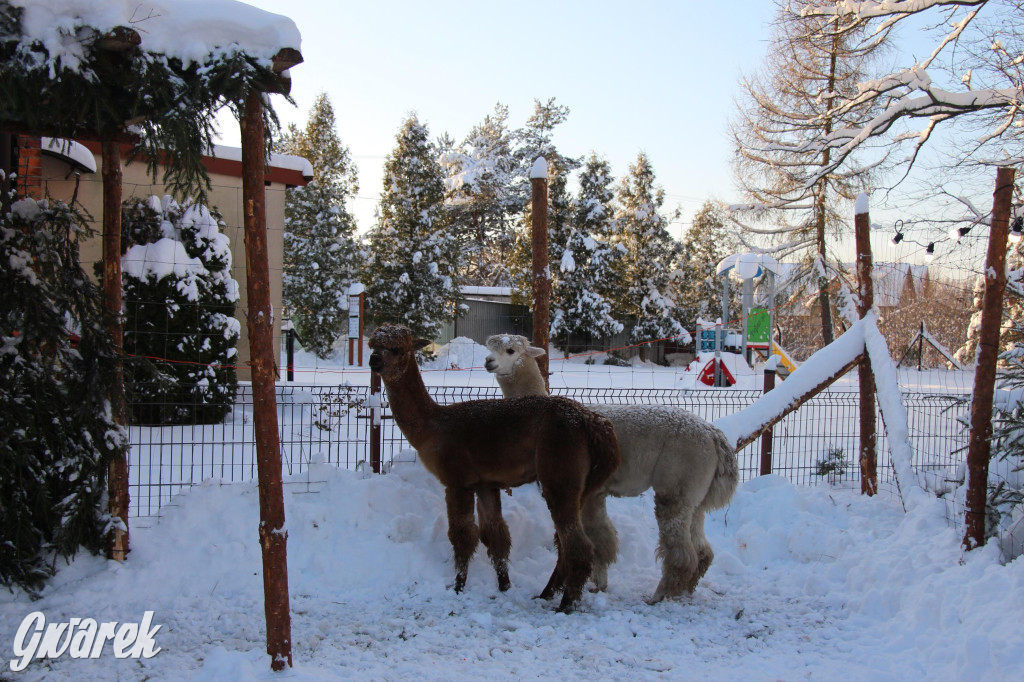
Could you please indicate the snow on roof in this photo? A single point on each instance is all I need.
(468, 290)
(288, 161)
(191, 30)
(71, 151)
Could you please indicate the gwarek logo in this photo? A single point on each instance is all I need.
(82, 638)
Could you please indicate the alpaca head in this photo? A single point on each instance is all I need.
(507, 353)
(393, 350)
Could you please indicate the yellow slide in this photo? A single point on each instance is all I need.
(784, 359)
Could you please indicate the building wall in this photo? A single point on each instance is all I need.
(226, 195)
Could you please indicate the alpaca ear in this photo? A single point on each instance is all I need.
(421, 343)
(534, 352)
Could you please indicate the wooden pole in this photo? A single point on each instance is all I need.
(272, 533)
(767, 439)
(868, 426)
(117, 477)
(541, 276)
(376, 412)
(979, 448)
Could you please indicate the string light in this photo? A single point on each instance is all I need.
(957, 233)
(898, 237)
(929, 253)
(1017, 229)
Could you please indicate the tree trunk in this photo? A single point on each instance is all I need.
(980, 443)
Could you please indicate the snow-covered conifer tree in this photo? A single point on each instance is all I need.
(179, 300)
(707, 242)
(410, 276)
(57, 430)
(320, 252)
(482, 205)
(649, 262)
(585, 268)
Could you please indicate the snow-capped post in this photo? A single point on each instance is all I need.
(272, 532)
(979, 448)
(541, 275)
(868, 454)
(767, 438)
(117, 478)
(356, 302)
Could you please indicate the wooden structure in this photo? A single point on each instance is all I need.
(114, 60)
(541, 276)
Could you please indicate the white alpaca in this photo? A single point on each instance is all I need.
(687, 461)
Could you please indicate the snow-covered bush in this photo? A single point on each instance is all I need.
(57, 432)
(179, 301)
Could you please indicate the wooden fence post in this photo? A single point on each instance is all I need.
(767, 444)
(272, 532)
(979, 448)
(541, 276)
(117, 478)
(375, 418)
(866, 299)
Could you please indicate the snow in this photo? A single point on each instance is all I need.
(191, 30)
(539, 170)
(286, 161)
(164, 258)
(71, 150)
(816, 583)
(862, 204)
(807, 583)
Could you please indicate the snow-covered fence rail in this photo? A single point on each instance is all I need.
(814, 445)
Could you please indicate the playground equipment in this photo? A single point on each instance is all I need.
(757, 322)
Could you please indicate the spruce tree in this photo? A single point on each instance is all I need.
(707, 243)
(649, 264)
(482, 205)
(586, 275)
(320, 252)
(57, 435)
(411, 273)
(179, 300)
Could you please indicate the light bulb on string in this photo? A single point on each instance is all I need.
(929, 253)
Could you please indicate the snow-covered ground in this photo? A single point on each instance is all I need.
(808, 583)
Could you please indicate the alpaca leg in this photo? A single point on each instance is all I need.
(575, 551)
(705, 555)
(462, 531)
(557, 580)
(675, 547)
(494, 533)
(603, 535)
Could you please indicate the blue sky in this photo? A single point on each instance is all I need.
(658, 77)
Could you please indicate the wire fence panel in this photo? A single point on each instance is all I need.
(816, 444)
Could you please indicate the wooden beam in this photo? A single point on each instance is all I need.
(286, 58)
(746, 440)
(119, 39)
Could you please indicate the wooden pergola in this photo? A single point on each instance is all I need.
(114, 56)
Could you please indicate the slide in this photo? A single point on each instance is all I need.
(784, 359)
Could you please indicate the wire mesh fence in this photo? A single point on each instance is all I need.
(815, 445)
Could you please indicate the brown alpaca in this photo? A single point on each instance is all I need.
(479, 447)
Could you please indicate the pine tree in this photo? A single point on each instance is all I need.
(320, 252)
(650, 258)
(586, 277)
(57, 435)
(179, 300)
(411, 273)
(707, 242)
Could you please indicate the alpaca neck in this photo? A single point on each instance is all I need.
(411, 405)
(525, 380)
